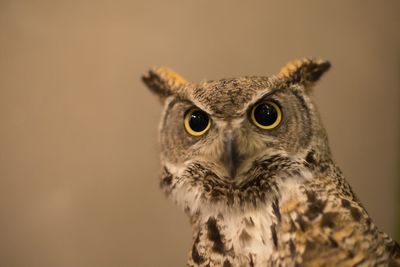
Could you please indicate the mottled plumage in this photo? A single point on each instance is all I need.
(259, 197)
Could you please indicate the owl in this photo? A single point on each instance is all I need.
(249, 162)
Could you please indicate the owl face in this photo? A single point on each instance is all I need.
(232, 134)
(231, 141)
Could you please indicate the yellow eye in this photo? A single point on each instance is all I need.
(266, 115)
(196, 122)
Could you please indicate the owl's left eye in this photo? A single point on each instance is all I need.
(266, 115)
(196, 122)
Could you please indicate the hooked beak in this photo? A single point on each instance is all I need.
(230, 156)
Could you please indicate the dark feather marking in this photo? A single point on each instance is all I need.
(293, 227)
(368, 222)
(274, 235)
(311, 196)
(244, 236)
(315, 207)
(251, 220)
(166, 178)
(227, 263)
(207, 188)
(310, 158)
(328, 219)
(302, 223)
(292, 248)
(350, 254)
(333, 242)
(251, 260)
(355, 213)
(197, 258)
(248, 222)
(345, 203)
(275, 209)
(215, 236)
(166, 181)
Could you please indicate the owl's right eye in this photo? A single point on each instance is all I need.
(196, 122)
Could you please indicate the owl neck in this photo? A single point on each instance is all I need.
(245, 237)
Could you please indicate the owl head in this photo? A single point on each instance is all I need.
(232, 143)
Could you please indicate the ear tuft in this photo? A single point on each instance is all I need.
(304, 71)
(163, 81)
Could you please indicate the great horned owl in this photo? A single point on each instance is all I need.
(248, 160)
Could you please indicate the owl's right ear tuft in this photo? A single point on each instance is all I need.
(164, 81)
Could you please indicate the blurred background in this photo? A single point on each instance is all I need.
(78, 130)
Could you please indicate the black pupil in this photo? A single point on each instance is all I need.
(265, 114)
(198, 120)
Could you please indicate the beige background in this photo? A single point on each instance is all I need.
(78, 130)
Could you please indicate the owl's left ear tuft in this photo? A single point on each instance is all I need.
(304, 71)
(164, 81)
